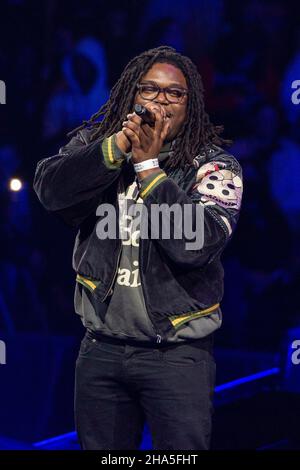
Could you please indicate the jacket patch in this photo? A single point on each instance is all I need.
(218, 185)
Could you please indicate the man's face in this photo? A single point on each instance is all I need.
(167, 75)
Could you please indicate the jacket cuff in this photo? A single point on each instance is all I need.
(148, 184)
(113, 156)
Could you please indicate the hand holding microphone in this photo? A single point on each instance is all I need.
(147, 116)
(146, 140)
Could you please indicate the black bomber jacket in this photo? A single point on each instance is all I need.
(177, 283)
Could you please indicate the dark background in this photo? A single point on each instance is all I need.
(59, 61)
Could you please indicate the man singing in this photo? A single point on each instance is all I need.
(150, 304)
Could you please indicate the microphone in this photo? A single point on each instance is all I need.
(145, 114)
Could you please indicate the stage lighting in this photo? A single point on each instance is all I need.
(15, 184)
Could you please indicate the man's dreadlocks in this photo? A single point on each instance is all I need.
(197, 130)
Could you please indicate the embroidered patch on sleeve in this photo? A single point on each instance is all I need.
(219, 186)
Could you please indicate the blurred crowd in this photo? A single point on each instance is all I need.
(60, 59)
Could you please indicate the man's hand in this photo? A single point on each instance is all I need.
(123, 142)
(146, 141)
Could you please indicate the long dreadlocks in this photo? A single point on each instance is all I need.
(197, 130)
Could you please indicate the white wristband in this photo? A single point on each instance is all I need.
(146, 165)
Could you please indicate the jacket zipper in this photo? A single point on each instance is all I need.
(114, 276)
(120, 184)
(158, 336)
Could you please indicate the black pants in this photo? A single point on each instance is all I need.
(119, 386)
